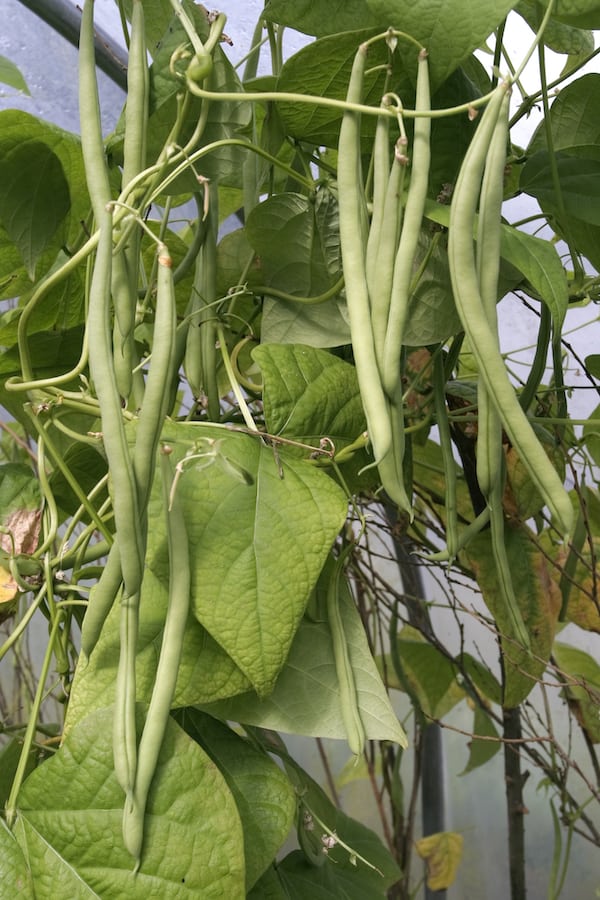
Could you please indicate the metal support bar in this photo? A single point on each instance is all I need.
(65, 18)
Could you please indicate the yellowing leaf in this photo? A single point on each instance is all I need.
(443, 853)
(8, 592)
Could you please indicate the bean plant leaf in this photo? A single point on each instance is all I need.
(579, 184)
(322, 69)
(11, 75)
(582, 674)
(34, 198)
(278, 530)
(20, 130)
(306, 697)
(427, 675)
(326, 325)
(480, 751)
(15, 875)
(558, 36)
(579, 13)
(370, 872)
(574, 125)
(321, 17)
(70, 811)
(309, 393)
(443, 853)
(535, 258)
(265, 799)
(539, 601)
(297, 243)
(449, 29)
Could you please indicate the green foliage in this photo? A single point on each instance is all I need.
(233, 531)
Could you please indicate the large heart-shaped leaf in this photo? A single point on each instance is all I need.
(264, 796)
(449, 29)
(19, 132)
(69, 823)
(306, 698)
(297, 243)
(309, 393)
(579, 184)
(34, 198)
(322, 69)
(257, 546)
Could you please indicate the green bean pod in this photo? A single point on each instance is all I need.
(343, 666)
(124, 494)
(138, 93)
(411, 227)
(474, 320)
(381, 174)
(351, 218)
(168, 664)
(380, 284)
(490, 455)
(200, 362)
(156, 396)
(92, 144)
(102, 598)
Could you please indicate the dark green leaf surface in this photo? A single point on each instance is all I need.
(34, 198)
(265, 799)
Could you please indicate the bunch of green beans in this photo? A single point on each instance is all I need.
(378, 262)
(474, 278)
(476, 322)
(110, 323)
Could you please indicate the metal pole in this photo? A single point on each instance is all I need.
(65, 18)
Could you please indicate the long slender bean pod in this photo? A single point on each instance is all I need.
(168, 663)
(102, 598)
(381, 175)
(92, 144)
(475, 323)
(156, 397)
(115, 443)
(353, 258)
(503, 570)
(411, 227)
(489, 428)
(350, 709)
(380, 283)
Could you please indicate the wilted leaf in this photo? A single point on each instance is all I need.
(443, 853)
(539, 601)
